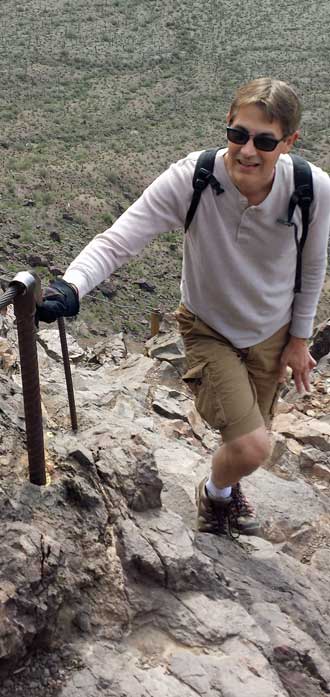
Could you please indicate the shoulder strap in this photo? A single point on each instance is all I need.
(203, 176)
(302, 196)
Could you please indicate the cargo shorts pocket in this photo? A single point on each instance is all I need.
(185, 320)
(207, 401)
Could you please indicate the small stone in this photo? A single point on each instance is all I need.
(321, 471)
(82, 621)
(294, 446)
(54, 235)
(83, 456)
(278, 449)
(196, 423)
(167, 406)
(107, 289)
(37, 260)
(145, 285)
(309, 457)
(29, 202)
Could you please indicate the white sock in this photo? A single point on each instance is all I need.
(215, 492)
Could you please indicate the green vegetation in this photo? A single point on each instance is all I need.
(99, 97)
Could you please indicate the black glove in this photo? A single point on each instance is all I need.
(60, 299)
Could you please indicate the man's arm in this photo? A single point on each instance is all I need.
(314, 259)
(161, 208)
(296, 354)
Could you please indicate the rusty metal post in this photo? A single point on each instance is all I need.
(24, 308)
(67, 371)
(156, 316)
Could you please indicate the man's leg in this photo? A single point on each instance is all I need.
(227, 398)
(240, 457)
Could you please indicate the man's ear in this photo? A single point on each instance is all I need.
(228, 118)
(290, 140)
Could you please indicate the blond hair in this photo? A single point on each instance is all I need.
(276, 98)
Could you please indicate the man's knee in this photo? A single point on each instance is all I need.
(251, 450)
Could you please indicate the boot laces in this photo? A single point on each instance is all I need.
(227, 519)
(242, 505)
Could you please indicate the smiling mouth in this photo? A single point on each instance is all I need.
(250, 165)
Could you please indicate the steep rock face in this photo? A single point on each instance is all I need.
(103, 563)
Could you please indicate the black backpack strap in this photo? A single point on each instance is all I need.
(203, 176)
(302, 196)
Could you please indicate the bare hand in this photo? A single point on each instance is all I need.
(297, 357)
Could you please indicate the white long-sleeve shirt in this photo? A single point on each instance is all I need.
(239, 261)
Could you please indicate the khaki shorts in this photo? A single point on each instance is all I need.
(236, 390)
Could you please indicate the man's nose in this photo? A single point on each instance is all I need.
(249, 148)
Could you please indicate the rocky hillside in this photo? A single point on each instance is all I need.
(105, 587)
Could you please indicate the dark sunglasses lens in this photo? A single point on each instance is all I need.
(238, 136)
(265, 143)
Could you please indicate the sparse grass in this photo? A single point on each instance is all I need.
(98, 98)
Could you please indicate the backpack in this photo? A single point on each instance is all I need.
(302, 196)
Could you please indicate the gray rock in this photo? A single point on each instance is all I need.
(321, 560)
(310, 456)
(304, 429)
(82, 455)
(195, 619)
(225, 675)
(321, 471)
(134, 475)
(30, 562)
(111, 349)
(170, 403)
(168, 348)
(50, 341)
(180, 470)
(151, 607)
(278, 625)
(284, 506)
(82, 621)
(168, 375)
(82, 493)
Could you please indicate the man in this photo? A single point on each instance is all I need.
(241, 322)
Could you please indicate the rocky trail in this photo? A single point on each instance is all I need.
(105, 587)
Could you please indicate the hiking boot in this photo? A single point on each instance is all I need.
(212, 514)
(243, 515)
(230, 516)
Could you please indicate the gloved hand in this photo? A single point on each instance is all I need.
(60, 299)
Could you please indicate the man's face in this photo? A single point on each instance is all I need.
(250, 169)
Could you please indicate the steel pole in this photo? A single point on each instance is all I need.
(24, 308)
(67, 371)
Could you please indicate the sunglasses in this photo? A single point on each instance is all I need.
(262, 141)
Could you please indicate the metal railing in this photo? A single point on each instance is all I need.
(24, 291)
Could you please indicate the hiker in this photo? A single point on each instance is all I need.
(249, 292)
